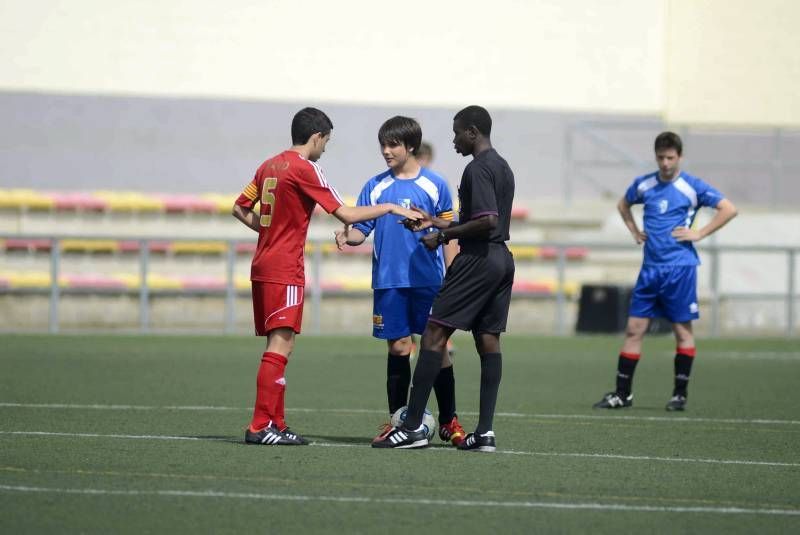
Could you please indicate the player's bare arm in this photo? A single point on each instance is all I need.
(354, 214)
(246, 216)
(725, 212)
(624, 209)
(348, 236)
(475, 228)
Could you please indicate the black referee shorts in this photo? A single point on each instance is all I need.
(476, 292)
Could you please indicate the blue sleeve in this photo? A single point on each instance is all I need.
(632, 193)
(707, 195)
(366, 227)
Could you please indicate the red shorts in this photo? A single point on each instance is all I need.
(277, 305)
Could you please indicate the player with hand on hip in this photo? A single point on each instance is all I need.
(667, 282)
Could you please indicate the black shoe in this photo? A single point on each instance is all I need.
(677, 403)
(476, 442)
(613, 400)
(270, 436)
(300, 438)
(402, 438)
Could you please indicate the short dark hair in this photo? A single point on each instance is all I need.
(308, 122)
(668, 140)
(475, 116)
(401, 130)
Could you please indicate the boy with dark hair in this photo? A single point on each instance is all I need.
(405, 274)
(477, 288)
(288, 186)
(667, 282)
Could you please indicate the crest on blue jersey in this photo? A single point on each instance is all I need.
(405, 203)
(662, 206)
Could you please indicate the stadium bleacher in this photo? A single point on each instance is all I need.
(71, 206)
(101, 235)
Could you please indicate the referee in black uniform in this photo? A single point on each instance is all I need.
(476, 292)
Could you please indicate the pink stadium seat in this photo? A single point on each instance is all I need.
(78, 201)
(571, 253)
(202, 283)
(132, 246)
(27, 245)
(532, 287)
(519, 212)
(188, 203)
(326, 286)
(246, 248)
(363, 249)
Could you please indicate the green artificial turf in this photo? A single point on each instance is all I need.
(137, 434)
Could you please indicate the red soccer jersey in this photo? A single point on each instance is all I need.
(288, 187)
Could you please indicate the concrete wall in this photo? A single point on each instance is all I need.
(190, 96)
(573, 54)
(732, 62)
(698, 61)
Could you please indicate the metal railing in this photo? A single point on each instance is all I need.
(777, 165)
(316, 292)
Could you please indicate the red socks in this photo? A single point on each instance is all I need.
(270, 389)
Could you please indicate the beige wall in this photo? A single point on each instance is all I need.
(733, 61)
(567, 54)
(691, 60)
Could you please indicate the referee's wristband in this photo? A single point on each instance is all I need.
(441, 238)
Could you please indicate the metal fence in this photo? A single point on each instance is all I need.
(761, 165)
(315, 268)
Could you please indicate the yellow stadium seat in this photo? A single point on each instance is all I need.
(130, 280)
(359, 284)
(199, 247)
(223, 202)
(28, 280)
(129, 201)
(524, 251)
(90, 246)
(160, 282)
(25, 199)
(242, 283)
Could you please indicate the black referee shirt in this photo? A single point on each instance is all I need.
(487, 188)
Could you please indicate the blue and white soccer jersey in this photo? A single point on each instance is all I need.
(405, 274)
(667, 283)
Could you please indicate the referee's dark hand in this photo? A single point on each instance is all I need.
(430, 240)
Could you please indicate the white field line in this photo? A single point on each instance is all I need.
(745, 355)
(591, 506)
(506, 452)
(686, 419)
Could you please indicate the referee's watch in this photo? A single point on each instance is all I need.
(441, 238)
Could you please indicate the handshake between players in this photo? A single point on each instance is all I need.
(430, 240)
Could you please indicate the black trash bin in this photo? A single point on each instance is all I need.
(603, 308)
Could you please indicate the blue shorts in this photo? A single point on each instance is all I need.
(398, 312)
(666, 292)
